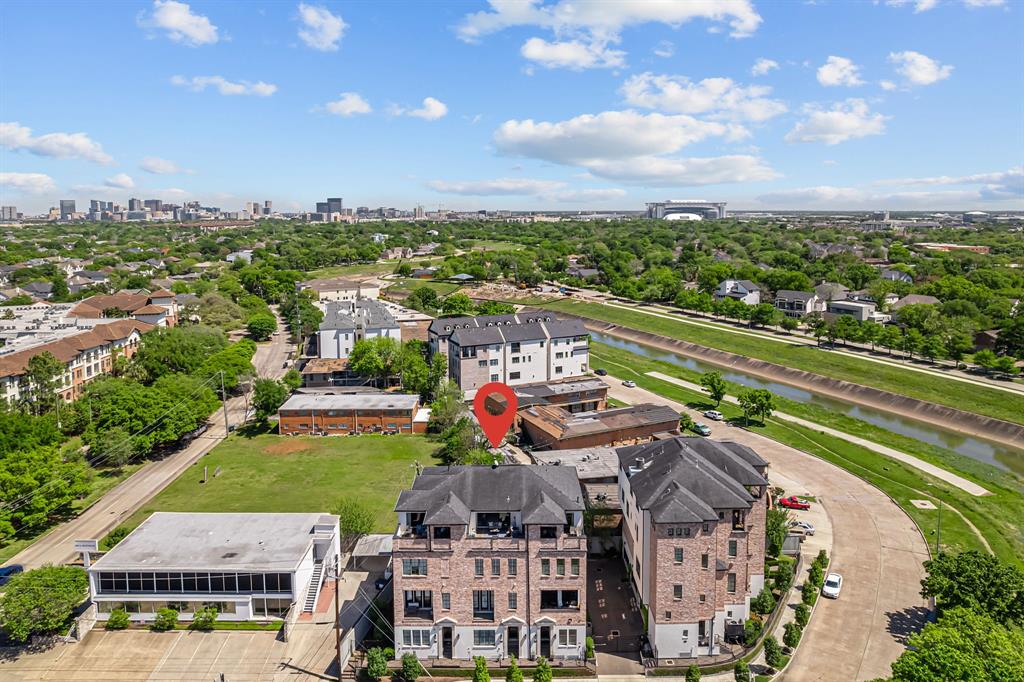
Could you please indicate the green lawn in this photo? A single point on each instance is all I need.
(270, 473)
(495, 245)
(997, 517)
(407, 285)
(979, 399)
(379, 268)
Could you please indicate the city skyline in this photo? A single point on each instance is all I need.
(553, 106)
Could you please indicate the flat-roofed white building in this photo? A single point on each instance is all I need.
(249, 566)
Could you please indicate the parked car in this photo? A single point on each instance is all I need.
(601, 372)
(702, 429)
(8, 572)
(793, 502)
(804, 526)
(833, 585)
(629, 383)
(714, 415)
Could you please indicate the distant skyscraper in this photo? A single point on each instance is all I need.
(153, 205)
(419, 213)
(268, 207)
(135, 204)
(67, 208)
(333, 205)
(95, 205)
(8, 213)
(321, 207)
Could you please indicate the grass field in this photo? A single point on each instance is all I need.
(407, 285)
(495, 245)
(997, 517)
(978, 399)
(270, 473)
(379, 268)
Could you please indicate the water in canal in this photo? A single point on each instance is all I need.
(1003, 457)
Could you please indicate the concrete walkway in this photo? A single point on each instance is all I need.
(938, 472)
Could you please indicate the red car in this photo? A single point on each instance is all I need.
(792, 502)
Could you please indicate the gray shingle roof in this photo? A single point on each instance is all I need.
(360, 313)
(476, 331)
(447, 495)
(791, 295)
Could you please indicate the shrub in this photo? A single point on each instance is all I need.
(410, 667)
(741, 672)
(480, 673)
(590, 647)
(751, 631)
(822, 559)
(166, 619)
(773, 652)
(118, 620)
(809, 594)
(203, 619)
(784, 577)
(791, 636)
(113, 537)
(514, 672)
(763, 603)
(815, 576)
(543, 671)
(376, 663)
(803, 614)
(389, 653)
(693, 673)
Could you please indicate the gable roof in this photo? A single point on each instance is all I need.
(67, 348)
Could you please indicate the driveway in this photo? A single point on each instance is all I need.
(616, 622)
(875, 546)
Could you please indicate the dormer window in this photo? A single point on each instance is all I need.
(548, 532)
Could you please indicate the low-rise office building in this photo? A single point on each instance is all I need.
(247, 566)
(338, 289)
(491, 562)
(694, 515)
(327, 414)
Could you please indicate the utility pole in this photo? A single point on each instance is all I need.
(337, 610)
(224, 401)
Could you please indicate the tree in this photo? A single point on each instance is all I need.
(231, 364)
(752, 628)
(44, 480)
(480, 671)
(410, 667)
(165, 619)
(693, 673)
(762, 315)
(378, 358)
(354, 519)
(890, 338)
(268, 395)
(741, 672)
(809, 593)
(118, 620)
(203, 619)
(376, 663)
(962, 644)
(44, 376)
(215, 310)
(1006, 365)
(183, 349)
(261, 326)
(448, 407)
(113, 537)
(791, 636)
(114, 446)
(802, 614)
(932, 348)
(542, 673)
(783, 576)
(985, 359)
(42, 600)
(975, 580)
(685, 422)
(292, 379)
(1011, 338)
(458, 440)
(773, 652)
(776, 528)
(495, 308)
(763, 603)
(423, 299)
(714, 384)
(789, 323)
(757, 401)
(457, 305)
(514, 673)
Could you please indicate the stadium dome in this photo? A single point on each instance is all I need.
(683, 216)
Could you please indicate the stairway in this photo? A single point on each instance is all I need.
(314, 588)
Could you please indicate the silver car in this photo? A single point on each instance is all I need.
(833, 586)
(805, 527)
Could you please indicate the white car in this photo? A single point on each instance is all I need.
(833, 585)
(806, 527)
(629, 383)
(714, 415)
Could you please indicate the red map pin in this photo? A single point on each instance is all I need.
(495, 426)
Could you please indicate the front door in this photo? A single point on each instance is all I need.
(512, 640)
(545, 642)
(446, 642)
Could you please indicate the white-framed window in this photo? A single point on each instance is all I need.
(567, 637)
(416, 638)
(483, 638)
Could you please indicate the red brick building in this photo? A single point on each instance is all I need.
(327, 414)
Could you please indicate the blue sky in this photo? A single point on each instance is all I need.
(565, 104)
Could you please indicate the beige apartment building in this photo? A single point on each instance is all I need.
(491, 561)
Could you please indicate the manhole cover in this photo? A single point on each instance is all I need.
(923, 504)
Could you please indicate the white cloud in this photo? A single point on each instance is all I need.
(839, 71)
(919, 5)
(763, 66)
(554, 190)
(572, 54)
(180, 23)
(27, 183)
(631, 147)
(320, 30)
(431, 110)
(720, 97)
(984, 3)
(15, 136)
(846, 120)
(158, 166)
(664, 49)
(1008, 184)
(595, 25)
(224, 86)
(120, 181)
(348, 104)
(583, 196)
(919, 69)
(887, 85)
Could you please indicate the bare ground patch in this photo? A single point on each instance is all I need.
(286, 447)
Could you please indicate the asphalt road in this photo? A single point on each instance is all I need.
(57, 546)
(875, 546)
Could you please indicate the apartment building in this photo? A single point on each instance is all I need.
(349, 321)
(491, 561)
(327, 414)
(86, 356)
(693, 535)
(159, 308)
(338, 289)
(512, 349)
(248, 566)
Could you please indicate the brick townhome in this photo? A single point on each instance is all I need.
(693, 534)
(327, 414)
(491, 561)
